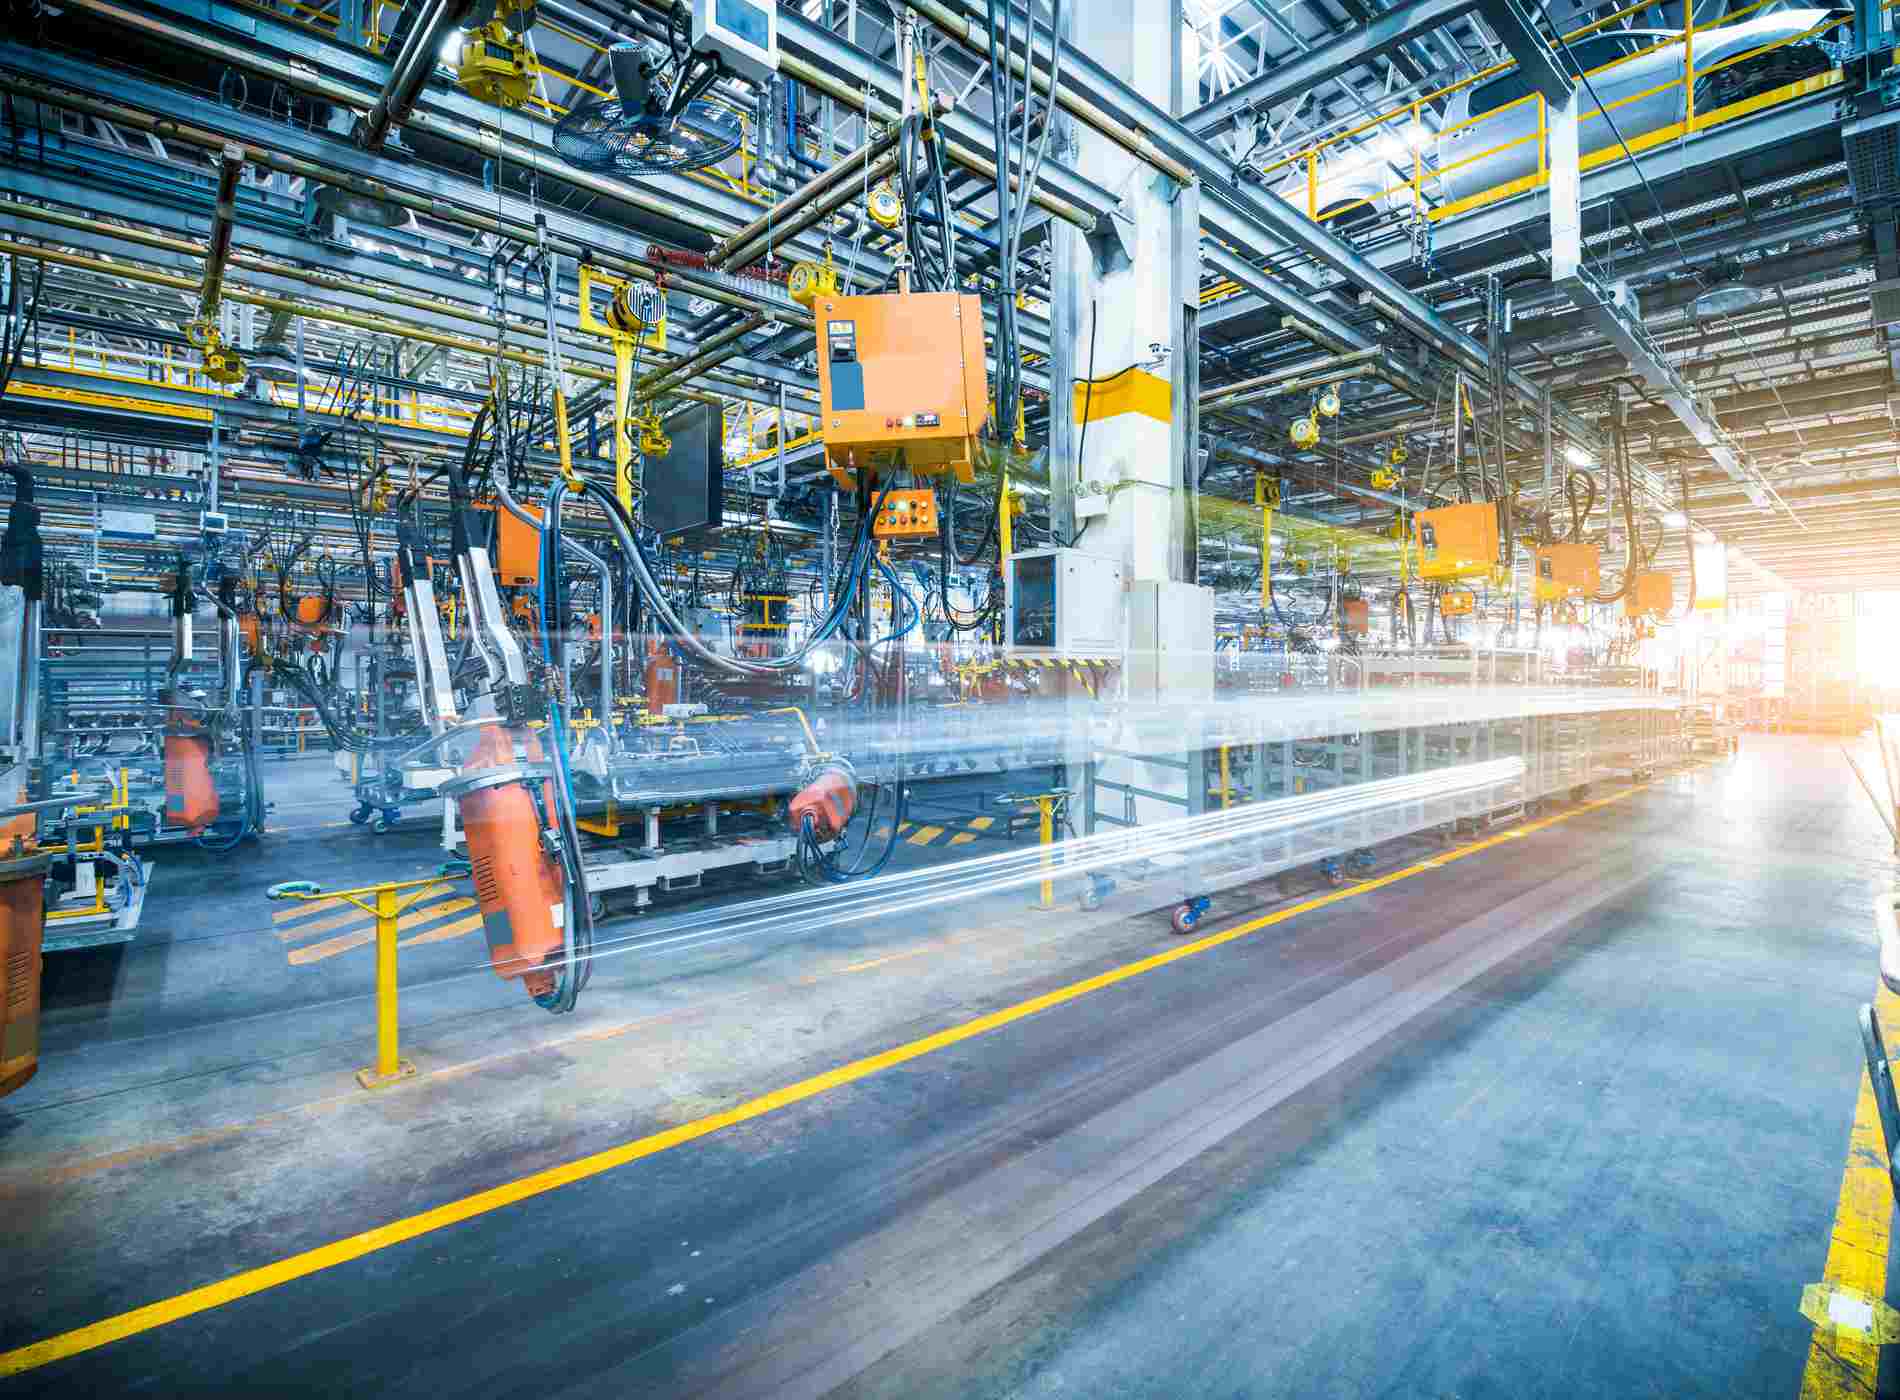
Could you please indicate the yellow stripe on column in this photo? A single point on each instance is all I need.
(1134, 390)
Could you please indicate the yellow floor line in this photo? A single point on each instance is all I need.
(963, 838)
(345, 942)
(313, 1261)
(924, 835)
(981, 823)
(1844, 1362)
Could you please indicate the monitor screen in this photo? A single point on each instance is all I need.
(685, 488)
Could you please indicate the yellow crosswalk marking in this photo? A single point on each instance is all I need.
(445, 932)
(343, 943)
(923, 836)
(303, 909)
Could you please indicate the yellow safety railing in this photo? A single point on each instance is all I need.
(389, 1066)
(1405, 125)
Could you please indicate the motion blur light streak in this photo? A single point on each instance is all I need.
(1320, 821)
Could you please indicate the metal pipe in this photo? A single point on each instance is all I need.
(480, 140)
(776, 221)
(1134, 142)
(958, 154)
(713, 351)
(381, 325)
(606, 710)
(223, 219)
(397, 101)
(743, 254)
(27, 714)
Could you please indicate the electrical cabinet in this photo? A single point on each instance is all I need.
(517, 548)
(1170, 642)
(1355, 616)
(517, 552)
(1563, 570)
(902, 382)
(1062, 602)
(1457, 541)
(1651, 593)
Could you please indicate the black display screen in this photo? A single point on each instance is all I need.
(686, 488)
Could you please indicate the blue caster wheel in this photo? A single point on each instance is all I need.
(359, 814)
(1334, 872)
(1099, 888)
(1360, 862)
(386, 820)
(1188, 913)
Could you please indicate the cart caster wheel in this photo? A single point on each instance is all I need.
(385, 820)
(1361, 862)
(1334, 876)
(1533, 810)
(380, 826)
(1099, 888)
(1188, 913)
(1089, 901)
(359, 815)
(597, 906)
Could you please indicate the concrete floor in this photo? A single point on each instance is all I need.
(1564, 1116)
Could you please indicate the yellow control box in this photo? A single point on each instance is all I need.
(1458, 602)
(907, 515)
(1651, 593)
(1563, 570)
(1456, 541)
(901, 382)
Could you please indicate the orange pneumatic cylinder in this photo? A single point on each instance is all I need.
(191, 797)
(516, 881)
(828, 799)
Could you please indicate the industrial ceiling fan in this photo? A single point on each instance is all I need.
(659, 118)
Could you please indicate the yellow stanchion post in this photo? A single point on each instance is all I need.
(390, 1067)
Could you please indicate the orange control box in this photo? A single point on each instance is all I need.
(1566, 569)
(1456, 541)
(1355, 616)
(1459, 602)
(902, 382)
(907, 515)
(517, 549)
(1650, 592)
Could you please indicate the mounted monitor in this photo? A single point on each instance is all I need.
(686, 488)
(742, 33)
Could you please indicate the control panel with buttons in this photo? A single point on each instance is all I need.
(907, 515)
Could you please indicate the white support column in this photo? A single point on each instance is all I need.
(1130, 320)
(1136, 414)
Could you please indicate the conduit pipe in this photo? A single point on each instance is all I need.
(223, 219)
(804, 203)
(410, 71)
